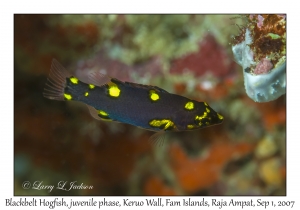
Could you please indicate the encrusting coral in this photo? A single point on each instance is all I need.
(260, 50)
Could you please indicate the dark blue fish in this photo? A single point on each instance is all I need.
(144, 106)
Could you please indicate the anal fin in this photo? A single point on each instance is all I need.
(98, 79)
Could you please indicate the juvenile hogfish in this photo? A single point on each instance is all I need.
(144, 106)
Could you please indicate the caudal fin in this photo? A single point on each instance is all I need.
(56, 81)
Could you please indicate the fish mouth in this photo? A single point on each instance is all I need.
(219, 118)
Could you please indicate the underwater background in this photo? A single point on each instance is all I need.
(189, 55)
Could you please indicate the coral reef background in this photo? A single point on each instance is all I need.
(185, 54)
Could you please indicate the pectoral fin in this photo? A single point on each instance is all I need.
(99, 114)
(158, 138)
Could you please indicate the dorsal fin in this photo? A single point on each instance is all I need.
(98, 79)
(146, 87)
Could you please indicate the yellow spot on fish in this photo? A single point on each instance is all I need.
(190, 126)
(113, 90)
(201, 117)
(207, 109)
(86, 94)
(220, 117)
(91, 86)
(205, 104)
(189, 105)
(103, 113)
(67, 96)
(74, 80)
(153, 95)
(164, 122)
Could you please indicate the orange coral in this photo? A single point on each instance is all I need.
(273, 113)
(155, 186)
(283, 172)
(199, 173)
(180, 88)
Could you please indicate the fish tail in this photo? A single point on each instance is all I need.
(56, 81)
